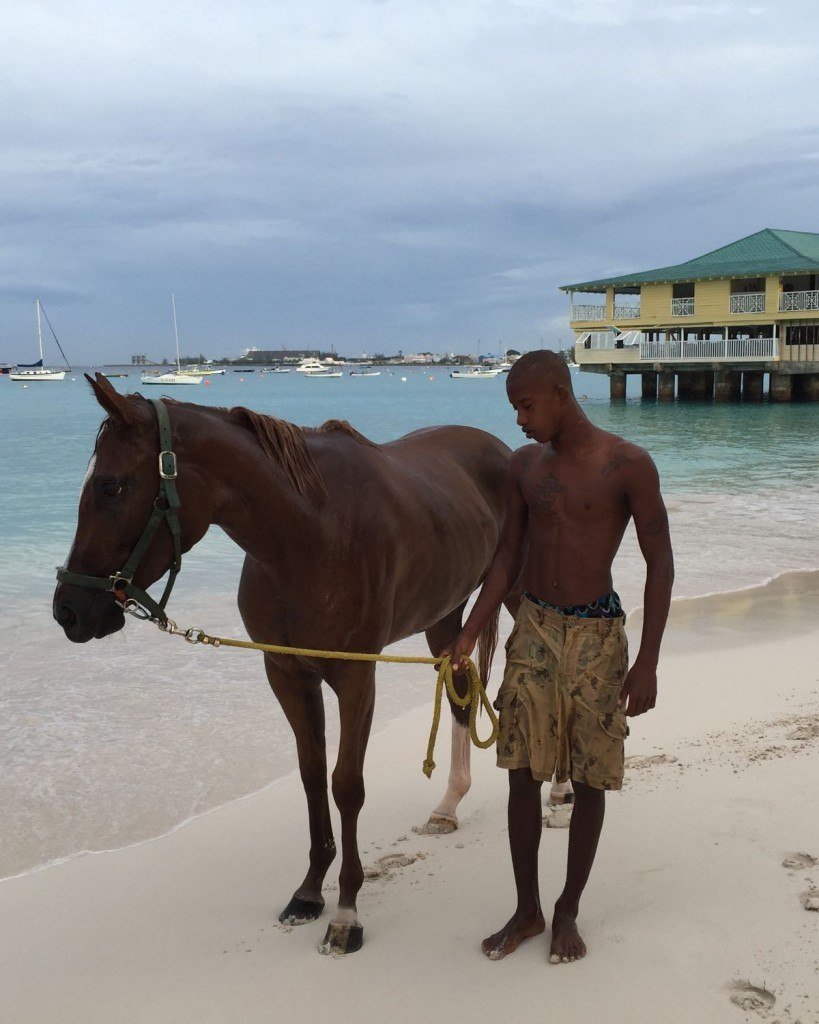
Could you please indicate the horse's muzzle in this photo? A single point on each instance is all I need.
(85, 614)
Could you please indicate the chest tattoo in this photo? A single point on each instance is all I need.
(545, 495)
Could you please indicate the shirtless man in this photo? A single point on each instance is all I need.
(567, 688)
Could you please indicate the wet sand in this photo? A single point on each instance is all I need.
(690, 914)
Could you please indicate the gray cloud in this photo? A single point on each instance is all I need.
(382, 175)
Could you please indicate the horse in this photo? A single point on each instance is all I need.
(349, 545)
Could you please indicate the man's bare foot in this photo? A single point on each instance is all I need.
(507, 940)
(567, 946)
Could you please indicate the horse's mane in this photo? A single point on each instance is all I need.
(285, 443)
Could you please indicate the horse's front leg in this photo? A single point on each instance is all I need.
(301, 700)
(445, 816)
(354, 684)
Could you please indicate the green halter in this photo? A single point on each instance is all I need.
(166, 507)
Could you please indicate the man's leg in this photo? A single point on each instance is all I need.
(584, 832)
(525, 826)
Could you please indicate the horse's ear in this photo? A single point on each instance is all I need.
(117, 406)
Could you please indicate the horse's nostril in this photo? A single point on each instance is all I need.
(66, 616)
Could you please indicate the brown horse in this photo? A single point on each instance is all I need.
(349, 546)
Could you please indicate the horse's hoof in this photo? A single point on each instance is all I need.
(299, 911)
(342, 938)
(438, 825)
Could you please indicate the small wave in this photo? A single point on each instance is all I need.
(782, 606)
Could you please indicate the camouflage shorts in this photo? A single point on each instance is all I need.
(558, 703)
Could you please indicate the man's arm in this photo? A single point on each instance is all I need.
(506, 564)
(646, 504)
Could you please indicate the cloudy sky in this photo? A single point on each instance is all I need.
(381, 175)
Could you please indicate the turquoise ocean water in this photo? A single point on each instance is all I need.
(123, 739)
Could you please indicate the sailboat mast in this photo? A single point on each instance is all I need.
(175, 333)
(39, 330)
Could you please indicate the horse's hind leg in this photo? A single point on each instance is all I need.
(354, 684)
(445, 818)
(301, 701)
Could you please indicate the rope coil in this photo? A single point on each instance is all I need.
(475, 697)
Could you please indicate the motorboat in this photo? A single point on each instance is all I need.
(476, 373)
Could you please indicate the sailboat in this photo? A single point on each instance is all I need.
(171, 376)
(36, 371)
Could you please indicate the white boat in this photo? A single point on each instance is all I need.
(278, 369)
(311, 365)
(475, 373)
(38, 371)
(171, 377)
(365, 372)
(197, 371)
(322, 374)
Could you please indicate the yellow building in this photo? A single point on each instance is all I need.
(716, 324)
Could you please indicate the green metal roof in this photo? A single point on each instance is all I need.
(765, 252)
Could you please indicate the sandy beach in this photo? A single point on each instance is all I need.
(690, 914)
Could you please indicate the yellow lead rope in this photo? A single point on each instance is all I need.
(475, 696)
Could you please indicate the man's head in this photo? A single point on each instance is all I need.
(539, 386)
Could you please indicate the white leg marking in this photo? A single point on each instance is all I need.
(460, 777)
(345, 916)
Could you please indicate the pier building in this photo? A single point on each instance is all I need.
(716, 326)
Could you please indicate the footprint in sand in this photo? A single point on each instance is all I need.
(649, 760)
(751, 997)
(798, 861)
(806, 729)
(810, 899)
(386, 866)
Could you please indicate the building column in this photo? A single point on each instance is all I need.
(806, 387)
(752, 385)
(617, 384)
(684, 385)
(702, 385)
(781, 387)
(727, 386)
(649, 386)
(665, 388)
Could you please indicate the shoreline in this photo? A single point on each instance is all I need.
(685, 607)
(689, 888)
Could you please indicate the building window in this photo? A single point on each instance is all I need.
(682, 301)
(802, 334)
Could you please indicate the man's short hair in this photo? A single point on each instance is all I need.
(542, 365)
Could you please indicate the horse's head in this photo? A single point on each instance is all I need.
(118, 496)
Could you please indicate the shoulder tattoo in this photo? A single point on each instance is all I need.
(615, 463)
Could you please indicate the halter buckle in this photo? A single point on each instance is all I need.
(167, 465)
(120, 582)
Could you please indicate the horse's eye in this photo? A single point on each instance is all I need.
(112, 489)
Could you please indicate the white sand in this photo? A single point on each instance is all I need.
(688, 895)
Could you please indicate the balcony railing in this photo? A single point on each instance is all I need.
(682, 307)
(748, 302)
(589, 312)
(626, 312)
(707, 351)
(798, 301)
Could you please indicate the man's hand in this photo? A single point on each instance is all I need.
(461, 650)
(639, 693)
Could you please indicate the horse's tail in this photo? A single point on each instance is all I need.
(487, 644)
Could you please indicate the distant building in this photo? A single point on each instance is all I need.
(286, 355)
(717, 323)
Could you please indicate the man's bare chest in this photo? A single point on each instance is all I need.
(589, 495)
